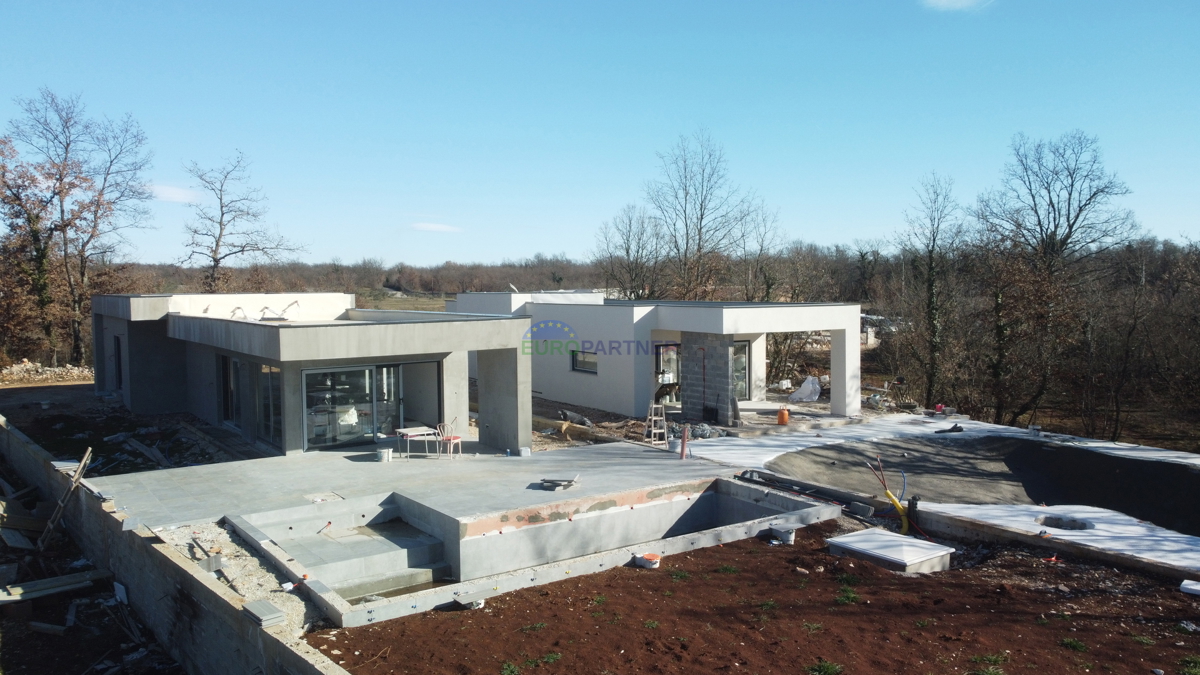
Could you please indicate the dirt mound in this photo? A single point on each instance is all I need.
(744, 608)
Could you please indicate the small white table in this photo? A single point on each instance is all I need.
(409, 433)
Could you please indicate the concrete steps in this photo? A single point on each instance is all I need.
(378, 557)
(413, 578)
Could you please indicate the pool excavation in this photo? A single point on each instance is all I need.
(384, 556)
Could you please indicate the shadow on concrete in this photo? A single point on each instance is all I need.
(1005, 470)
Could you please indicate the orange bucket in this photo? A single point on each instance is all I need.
(782, 418)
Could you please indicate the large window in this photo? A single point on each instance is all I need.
(349, 406)
(231, 390)
(270, 415)
(584, 362)
(741, 370)
(117, 362)
(339, 407)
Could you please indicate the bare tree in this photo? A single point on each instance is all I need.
(629, 253)
(758, 265)
(701, 212)
(1056, 202)
(89, 180)
(231, 226)
(933, 236)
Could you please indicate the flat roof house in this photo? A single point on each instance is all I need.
(295, 372)
(616, 355)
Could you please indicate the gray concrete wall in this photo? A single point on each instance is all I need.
(157, 371)
(204, 383)
(505, 405)
(113, 327)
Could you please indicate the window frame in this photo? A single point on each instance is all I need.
(575, 362)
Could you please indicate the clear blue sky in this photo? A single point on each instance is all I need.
(516, 128)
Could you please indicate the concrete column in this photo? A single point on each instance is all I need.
(100, 351)
(758, 367)
(844, 373)
(292, 396)
(456, 396)
(505, 399)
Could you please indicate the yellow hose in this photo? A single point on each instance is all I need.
(900, 510)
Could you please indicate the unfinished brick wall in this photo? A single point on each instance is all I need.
(706, 377)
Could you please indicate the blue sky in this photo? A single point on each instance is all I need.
(425, 132)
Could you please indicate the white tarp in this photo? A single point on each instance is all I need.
(808, 392)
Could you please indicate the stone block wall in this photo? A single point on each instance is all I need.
(706, 377)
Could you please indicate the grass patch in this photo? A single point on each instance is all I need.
(847, 579)
(1073, 644)
(847, 596)
(1142, 640)
(990, 670)
(532, 628)
(597, 615)
(823, 667)
(509, 668)
(551, 658)
(813, 627)
(668, 593)
(599, 600)
(650, 623)
(679, 575)
(1191, 665)
(924, 623)
(769, 605)
(727, 569)
(994, 659)
(1042, 621)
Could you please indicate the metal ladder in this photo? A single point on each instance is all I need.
(656, 426)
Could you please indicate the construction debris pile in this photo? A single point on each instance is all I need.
(30, 372)
(60, 613)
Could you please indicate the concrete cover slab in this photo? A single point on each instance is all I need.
(458, 488)
(892, 551)
(1100, 528)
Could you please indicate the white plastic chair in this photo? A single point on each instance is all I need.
(447, 439)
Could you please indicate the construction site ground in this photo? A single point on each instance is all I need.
(68, 418)
(1004, 470)
(100, 635)
(750, 607)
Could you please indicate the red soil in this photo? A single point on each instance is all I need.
(744, 608)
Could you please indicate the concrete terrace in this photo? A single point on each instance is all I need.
(462, 487)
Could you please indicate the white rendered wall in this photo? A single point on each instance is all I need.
(613, 387)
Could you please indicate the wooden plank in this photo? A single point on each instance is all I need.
(15, 539)
(148, 451)
(54, 582)
(47, 628)
(6, 598)
(23, 523)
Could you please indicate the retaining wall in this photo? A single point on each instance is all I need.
(196, 618)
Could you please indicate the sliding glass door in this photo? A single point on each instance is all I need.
(353, 405)
(339, 407)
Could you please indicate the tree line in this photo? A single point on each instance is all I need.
(1041, 292)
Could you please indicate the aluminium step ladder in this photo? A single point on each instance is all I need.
(656, 426)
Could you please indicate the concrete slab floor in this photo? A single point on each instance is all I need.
(460, 487)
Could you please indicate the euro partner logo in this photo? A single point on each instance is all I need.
(558, 337)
